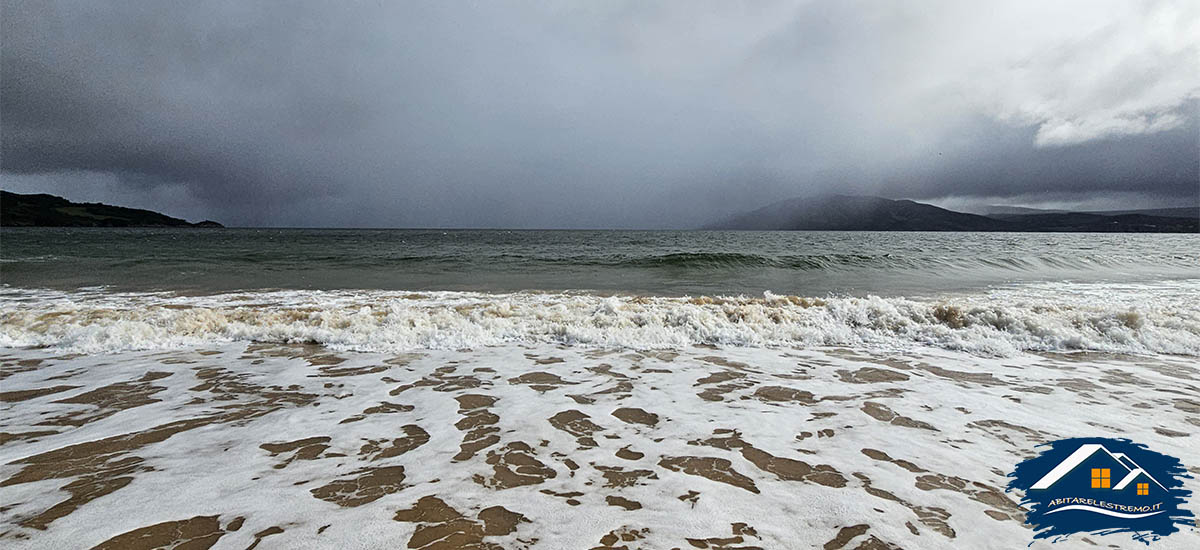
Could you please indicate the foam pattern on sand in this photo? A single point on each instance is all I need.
(1140, 319)
(542, 446)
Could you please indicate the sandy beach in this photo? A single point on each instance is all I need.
(296, 446)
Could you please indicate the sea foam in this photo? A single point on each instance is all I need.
(1163, 318)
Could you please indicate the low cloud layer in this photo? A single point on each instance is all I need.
(612, 114)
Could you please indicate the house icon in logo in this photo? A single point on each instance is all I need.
(1094, 468)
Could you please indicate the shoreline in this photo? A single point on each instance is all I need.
(1151, 319)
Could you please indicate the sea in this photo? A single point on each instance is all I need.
(396, 290)
(576, 389)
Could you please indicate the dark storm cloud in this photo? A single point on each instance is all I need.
(1162, 166)
(611, 114)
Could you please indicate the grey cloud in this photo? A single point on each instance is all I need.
(619, 114)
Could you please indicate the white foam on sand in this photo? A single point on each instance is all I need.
(916, 444)
(1153, 318)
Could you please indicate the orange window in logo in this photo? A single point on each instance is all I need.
(1100, 478)
(1143, 488)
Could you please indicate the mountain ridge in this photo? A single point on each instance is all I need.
(867, 213)
(44, 210)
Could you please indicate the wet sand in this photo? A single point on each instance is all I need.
(292, 446)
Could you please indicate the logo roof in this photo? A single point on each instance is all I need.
(1083, 453)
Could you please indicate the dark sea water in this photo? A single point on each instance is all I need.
(621, 262)
(104, 290)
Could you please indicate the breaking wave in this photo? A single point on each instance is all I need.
(1164, 319)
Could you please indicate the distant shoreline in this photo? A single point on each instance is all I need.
(581, 230)
(822, 213)
(861, 213)
(42, 210)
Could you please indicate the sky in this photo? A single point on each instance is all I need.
(622, 114)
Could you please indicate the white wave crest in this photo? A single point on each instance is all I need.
(1060, 317)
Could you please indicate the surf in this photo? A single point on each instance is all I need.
(1158, 319)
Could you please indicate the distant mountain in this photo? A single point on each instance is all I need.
(17, 210)
(1007, 212)
(996, 211)
(857, 213)
(1180, 212)
(1083, 222)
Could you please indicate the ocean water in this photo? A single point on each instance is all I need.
(368, 290)
(671, 263)
(575, 389)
